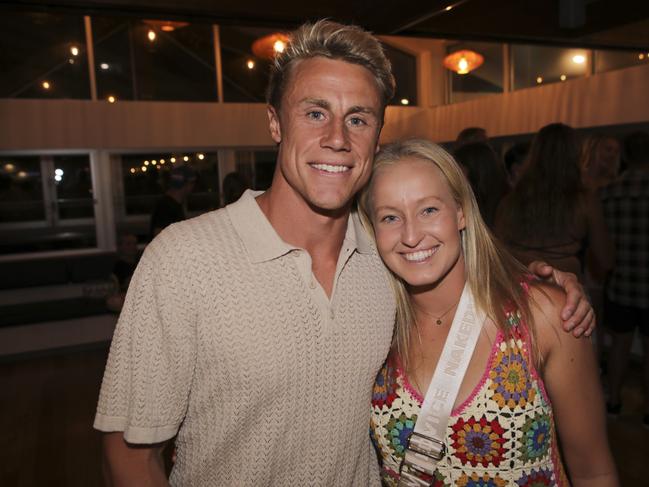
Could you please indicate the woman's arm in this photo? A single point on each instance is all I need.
(570, 376)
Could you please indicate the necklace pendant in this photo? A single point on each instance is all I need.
(439, 322)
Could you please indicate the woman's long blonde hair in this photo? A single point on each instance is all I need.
(493, 275)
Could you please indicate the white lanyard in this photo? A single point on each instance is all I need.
(426, 444)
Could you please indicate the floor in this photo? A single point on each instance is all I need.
(47, 405)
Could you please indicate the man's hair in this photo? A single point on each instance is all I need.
(493, 275)
(636, 148)
(331, 40)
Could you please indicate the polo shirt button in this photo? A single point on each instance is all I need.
(312, 283)
(331, 314)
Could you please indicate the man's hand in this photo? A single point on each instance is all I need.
(577, 315)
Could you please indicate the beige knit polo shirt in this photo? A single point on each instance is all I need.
(227, 340)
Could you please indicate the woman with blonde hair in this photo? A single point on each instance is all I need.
(480, 380)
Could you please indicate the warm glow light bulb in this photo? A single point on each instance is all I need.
(539, 80)
(449, 8)
(21, 174)
(186, 158)
(462, 66)
(201, 156)
(279, 46)
(405, 101)
(132, 170)
(104, 66)
(251, 64)
(151, 35)
(162, 161)
(154, 162)
(111, 99)
(563, 77)
(9, 167)
(579, 59)
(173, 160)
(641, 56)
(74, 50)
(143, 168)
(146, 163)
(46, 85)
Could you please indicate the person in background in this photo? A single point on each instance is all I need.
(530, 401)
(233, 187)
(600, 161)
(127, 258)
(626, 209)
(470, 135)
(549, 215)
(169, 207)
(514, 161)
(485, 172)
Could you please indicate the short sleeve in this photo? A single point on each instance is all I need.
(150, 366)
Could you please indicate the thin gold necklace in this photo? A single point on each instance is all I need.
(438, 319)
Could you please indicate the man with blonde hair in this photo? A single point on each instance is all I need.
(253, 334)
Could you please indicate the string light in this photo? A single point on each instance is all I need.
(146, 163)
(201, 156)
(563, 77)
(186, 158)
(132, 170)
(104, 66)
(46, 85)
(251, 64)
(539, 80)
(111, 99)
(74, 50)
(143, 168)
(579, 59)
(173, 160)
(405, 101)
(279, 46)
(151, 35)
(162, 161)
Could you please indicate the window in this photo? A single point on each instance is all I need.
(404, 69)
(154, 60)
(43, 55)
(540, 65)
(610, 60)
(485, 80)
(46, 203)
(245, 75)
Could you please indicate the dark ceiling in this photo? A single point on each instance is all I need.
(595, 23)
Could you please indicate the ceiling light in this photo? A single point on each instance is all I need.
(269, 46)
(539, 80)
(151, 35)
(166, 25)
(579, 59)
(74, 50)
(464, 61)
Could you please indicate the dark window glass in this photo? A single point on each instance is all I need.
(145, 60)
(610, 60)
(245, 75)
(73, 185)
(404, 69)
(43, 55)
(21, 189)
(146, 176)
(487, 79)
(540, 65)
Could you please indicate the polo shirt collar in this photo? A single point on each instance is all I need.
(261, 241)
